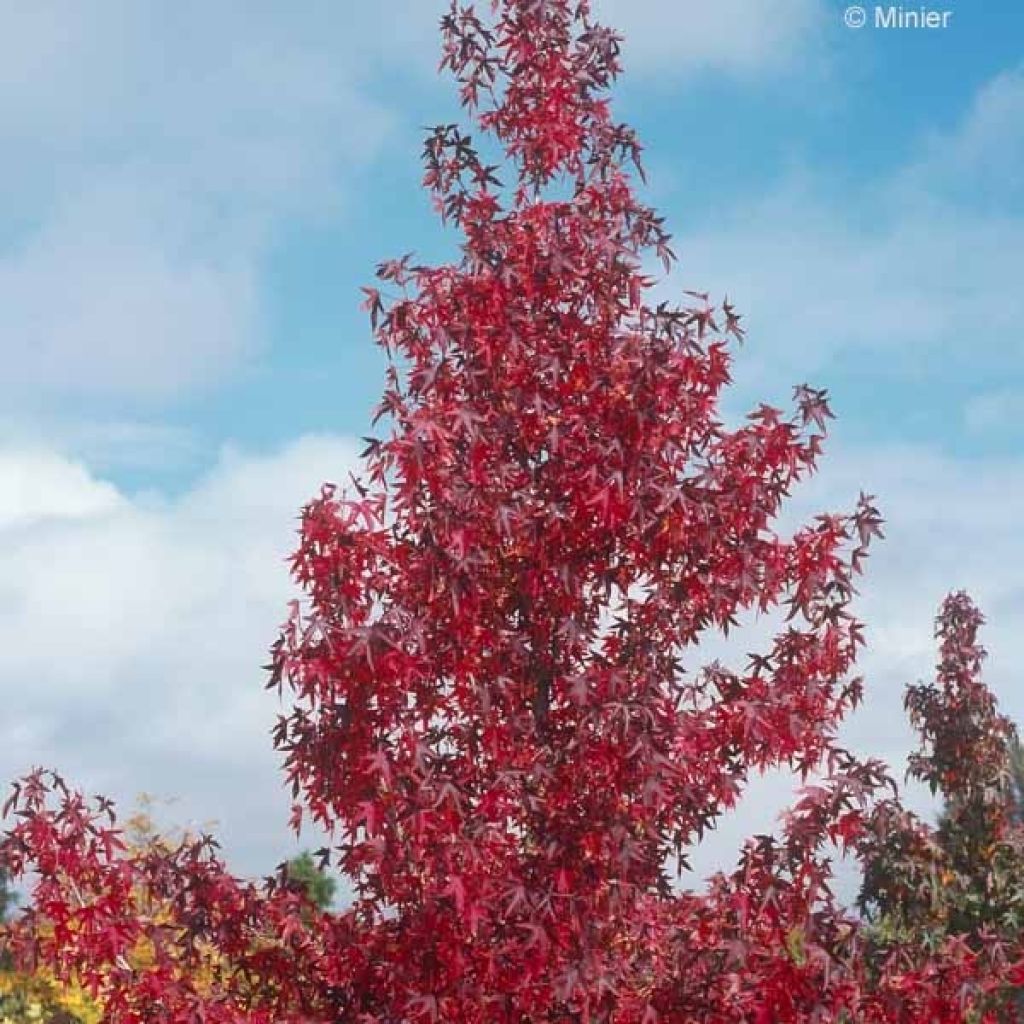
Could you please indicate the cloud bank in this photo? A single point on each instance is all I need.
(154, 153)
(133, 630)
(679, 37)
(914, 273)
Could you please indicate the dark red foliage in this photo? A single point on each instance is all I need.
(958, 883)
(500, 709)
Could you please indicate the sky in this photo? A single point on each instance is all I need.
(191, 196)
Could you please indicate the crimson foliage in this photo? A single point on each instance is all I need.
(499, 709)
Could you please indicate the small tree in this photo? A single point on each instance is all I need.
(8, 898)
(974, 858)
(317, 884)
(963, 879)
(1017, 777)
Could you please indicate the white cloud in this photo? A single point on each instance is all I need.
(40, 486)
(913, 272)
(153, 152)
(817, 281)
(737, 36)
(1001, 409)
(96, 304)
(917, 269)
(134, 628)
(983, 157)
(105, 445)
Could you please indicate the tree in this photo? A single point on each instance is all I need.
(499, 707)
(964, 878)
(319, 886)
(1017, 775)
(8, 899)
(7, 896)
(37, 995)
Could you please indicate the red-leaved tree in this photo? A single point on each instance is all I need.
(960, 883)
(500, 710)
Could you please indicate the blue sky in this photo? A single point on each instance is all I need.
(193, 194)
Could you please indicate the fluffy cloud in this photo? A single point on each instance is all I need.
(994, 411)
(914, 273)
(134, 628)
(736, 36)
(152, 154)
(822, 284)
(40, 486)
(93, 303)
(981, 160)
(900, 270)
